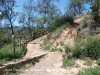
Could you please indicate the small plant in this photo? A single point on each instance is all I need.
(68, 49)
(36, 59)
(84, 24)
(57, 43)
(47, 46)
(34, 42)
(68, 62)
(88, 62)
(61, 43)
(77, 65)
(52, 49)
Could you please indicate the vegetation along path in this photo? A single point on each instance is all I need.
(51, 64)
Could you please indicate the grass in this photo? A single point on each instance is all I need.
(89, 62)
(77, 65)
(58, 30)
(68, 62)
(47, 46)
(90, 71)
(84, 48)
(6, 53)
(68, 49)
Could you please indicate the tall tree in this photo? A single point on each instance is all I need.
(27, 16)
(75, 7)
(47, 11)
(7, 10)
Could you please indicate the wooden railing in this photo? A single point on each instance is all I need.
(24, 39)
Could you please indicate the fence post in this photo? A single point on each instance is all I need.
(20, 41)
(13, 45)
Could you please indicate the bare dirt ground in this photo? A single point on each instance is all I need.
(51, 64)
(33, 48)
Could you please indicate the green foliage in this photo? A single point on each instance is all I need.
(58, 30)
(36, 59)
(75, 8)
(8, 40)
(89, 48)
(6, 53)
(77, 65)
(90, 71)
(61, 43)
(68, 49)
(68, 62)
(47, 46)
(84, 24)
(64, 20)
(88, 62)
(96, 9)
(98, 61)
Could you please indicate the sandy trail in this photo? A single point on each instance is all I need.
(49, 65)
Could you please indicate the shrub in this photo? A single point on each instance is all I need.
(98, 61)
(61, 21)
(90, 71)
(84, 24)
(68, 49)
(61, 43)
(88, 62)
(68, 62)
(89, 48)
(8, 40)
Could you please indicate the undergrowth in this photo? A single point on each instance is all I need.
(6, 53)
(89, 47)
(90, 71)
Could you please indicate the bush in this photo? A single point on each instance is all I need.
(61, 43)
(98, 61)
(61, 21)
(89, 48)
(90, 71)
(88, 62)
(68, 61)
(8, 40)
(84, 24)
(68, 49)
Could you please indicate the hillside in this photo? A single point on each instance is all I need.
(51, 64)
(58, 47)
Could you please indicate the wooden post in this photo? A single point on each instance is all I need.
(20, 41)
(13, 45)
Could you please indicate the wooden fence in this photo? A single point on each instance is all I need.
(24, 39)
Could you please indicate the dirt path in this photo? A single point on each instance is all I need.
(33, 48)
(49, 65)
